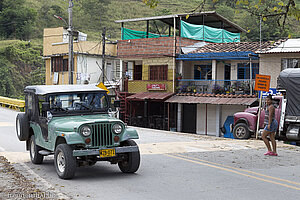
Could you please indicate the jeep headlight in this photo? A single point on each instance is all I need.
(117, 128)
(85, 131)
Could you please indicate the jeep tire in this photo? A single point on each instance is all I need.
(64, 161)
(241, 131)
(34, 149)
(132, 162)
(22, 127)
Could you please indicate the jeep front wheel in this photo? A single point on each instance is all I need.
(34, 149)
(64, 161)
(241, 131)
(131, 162)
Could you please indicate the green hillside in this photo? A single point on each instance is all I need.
(90, 16)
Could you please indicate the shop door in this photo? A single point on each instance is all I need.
(189, 118)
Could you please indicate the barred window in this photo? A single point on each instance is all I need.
(243, 70)
(159, 72)
(203, 72)
(290, 63)
(58, 64)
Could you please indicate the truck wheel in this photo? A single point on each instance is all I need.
(132, 162)
(22, 127)
(64, 161)
(34, 149)
(241, 131)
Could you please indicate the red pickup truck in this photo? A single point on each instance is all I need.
(287, 110)
(245, 122)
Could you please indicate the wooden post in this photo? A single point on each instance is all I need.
(259, 110)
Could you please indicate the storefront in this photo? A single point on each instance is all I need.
(149, 110)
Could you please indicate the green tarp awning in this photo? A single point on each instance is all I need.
(209, 34)
(128, 34)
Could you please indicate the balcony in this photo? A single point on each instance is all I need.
(214, 86)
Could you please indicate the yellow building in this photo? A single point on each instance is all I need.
(87, 58)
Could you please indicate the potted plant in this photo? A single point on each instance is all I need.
(178, 76)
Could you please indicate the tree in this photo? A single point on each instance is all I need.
(16, 20)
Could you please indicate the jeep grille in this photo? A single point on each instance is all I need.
(102, 135)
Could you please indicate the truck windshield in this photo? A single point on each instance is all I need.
(78, 102)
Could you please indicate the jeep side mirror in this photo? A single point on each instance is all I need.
(117, 103)
(45, 106)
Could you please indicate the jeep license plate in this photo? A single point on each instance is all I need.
(104, 153)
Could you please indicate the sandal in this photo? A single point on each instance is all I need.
(269, 153)
(274, 154)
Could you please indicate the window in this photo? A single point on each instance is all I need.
(81, 101)
(137, 72)
(243, 70)
(202, 72)
(289, 63)
(129, 72)
(58, 64)
(159, 72)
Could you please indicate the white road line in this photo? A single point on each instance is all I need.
(48, 185)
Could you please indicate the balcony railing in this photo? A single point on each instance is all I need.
(215, 86)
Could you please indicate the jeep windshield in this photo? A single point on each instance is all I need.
(78, 102)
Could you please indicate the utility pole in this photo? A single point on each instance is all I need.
(103, 54)
(71, 53)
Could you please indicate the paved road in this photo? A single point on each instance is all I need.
(173, 166)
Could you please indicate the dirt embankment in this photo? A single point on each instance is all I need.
(14, 185)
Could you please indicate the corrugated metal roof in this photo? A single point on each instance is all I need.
(212, 100)
(211, 17)
(150, 96)
(289, 46)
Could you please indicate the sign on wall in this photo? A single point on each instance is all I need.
(156, 87)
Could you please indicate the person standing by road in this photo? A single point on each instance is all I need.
(270, 128)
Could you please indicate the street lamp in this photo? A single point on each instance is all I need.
(70, 31)
(62, 19)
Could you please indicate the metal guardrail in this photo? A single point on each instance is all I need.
(15, 104)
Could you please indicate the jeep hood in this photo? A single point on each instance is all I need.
(69, 123)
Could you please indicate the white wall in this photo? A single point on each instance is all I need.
(200, 126)
(88, 69)
(213, 126)
(270, 64)
(229, 110)
(211, 119)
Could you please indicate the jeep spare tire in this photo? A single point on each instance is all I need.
(22, 127)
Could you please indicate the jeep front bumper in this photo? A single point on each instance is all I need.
(95, 152)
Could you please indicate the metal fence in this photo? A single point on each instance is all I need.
(15, 104)
(215, 86)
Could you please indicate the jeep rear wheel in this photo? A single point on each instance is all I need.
(132, 162)
(64, 161)
(22, 127)
(241, 131)
(34, 149)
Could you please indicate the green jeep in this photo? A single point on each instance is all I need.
(74, 123)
